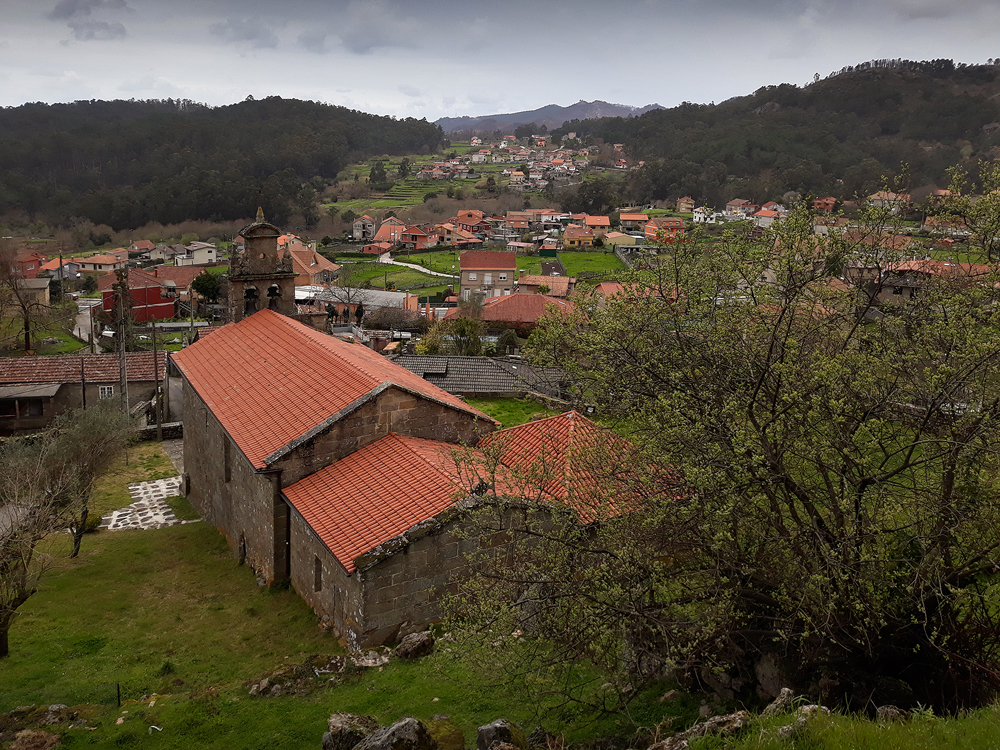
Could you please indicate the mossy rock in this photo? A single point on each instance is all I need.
(446, 733)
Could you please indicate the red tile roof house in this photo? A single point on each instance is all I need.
(35, 390)
(153, 298)
(488, 272)
(330, 466)
(518, 311)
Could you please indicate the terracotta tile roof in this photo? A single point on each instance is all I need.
(634, 217)
(308, 262)
(559, 286)
(569, 458)
(488, 260)
(143, 245)
(102, 259)
(367, 498)
(182, 276)
(516, 308)
(97, 368)
(136, 280)
(598, 221)
(270, 380)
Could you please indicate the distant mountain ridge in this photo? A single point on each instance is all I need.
(551, 116)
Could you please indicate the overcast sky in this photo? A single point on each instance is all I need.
(434, 58)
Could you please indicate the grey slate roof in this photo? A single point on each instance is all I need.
(476, 375)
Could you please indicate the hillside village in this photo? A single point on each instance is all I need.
(667, 473)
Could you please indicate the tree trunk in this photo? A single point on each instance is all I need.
(78, 531)
(27, 332)
(5, 622)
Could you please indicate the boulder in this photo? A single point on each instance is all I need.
(781, 704)
(405, 734)
(499, 732)
(347, 730)
(415, 645)
(446, 733)
(720, 726)
(885, 714)
(31, 739)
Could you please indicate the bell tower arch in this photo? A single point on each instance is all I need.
(260, 277)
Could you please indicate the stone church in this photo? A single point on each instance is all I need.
(326, 464)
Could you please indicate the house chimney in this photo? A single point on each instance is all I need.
(520, 273)
(427, 310)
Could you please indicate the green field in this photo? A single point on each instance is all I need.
(379, 275)
(446, 261)
(595, 262)
(12, 336)
(510, 412)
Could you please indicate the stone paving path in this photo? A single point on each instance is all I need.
(150, 510)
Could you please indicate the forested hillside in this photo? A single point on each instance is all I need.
(835, 136)
(125, 163)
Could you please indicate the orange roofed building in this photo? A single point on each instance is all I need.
(329, 466)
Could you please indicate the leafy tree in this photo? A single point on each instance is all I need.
(508, 341)
(326, 241)
(433, 342)
(404, 169)
(208, 285)
(359, 312)
(349, 216)
(826, 507)
(467, 336)
(377, 174)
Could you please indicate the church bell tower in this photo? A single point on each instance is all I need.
(259, 277)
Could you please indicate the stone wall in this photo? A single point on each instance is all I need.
(392, 410)
(338, 601)
(407, 580)
(247, 508)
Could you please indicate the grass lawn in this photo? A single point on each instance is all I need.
(380, 274)
(597, 262)
(171, 612)
(11, 332)
(510, 412)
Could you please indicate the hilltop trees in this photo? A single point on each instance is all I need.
(838, 529)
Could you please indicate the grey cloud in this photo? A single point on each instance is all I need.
(914, 10)
(86, 31)
(245, 30)
(314, 41)
(368, 26)
(150, 83)
(69, 9)
(410, 90)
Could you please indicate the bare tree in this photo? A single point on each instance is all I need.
(45, 485)
(17, 297)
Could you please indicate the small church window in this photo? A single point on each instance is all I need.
(273, 294)
(250, 298)
(317, 574)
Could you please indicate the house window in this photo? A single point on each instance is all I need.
(472, 277)
(8, 409)
(317, 574)
(503, 277)
(106, 391)
(487, 278)
(31, 407)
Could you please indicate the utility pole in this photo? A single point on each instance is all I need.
(158, 403)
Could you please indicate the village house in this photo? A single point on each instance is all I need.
(576, 236)
(102, 262)
(198, 254)
(741, 207)
(417, 238)
(599, 224)
(311, 267)
(685, 205)
(364, 228)
(553, 286)
(452, 235)
(824, 205)
(141, 246)
(152, 298)
(895, 202)
(390, 230)
(166, 252)
(28, 263)
(490, 273)
(663, 228)
(35, 390)
(631, 221)
(903, 281)
(520, 312)
(68, 270)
